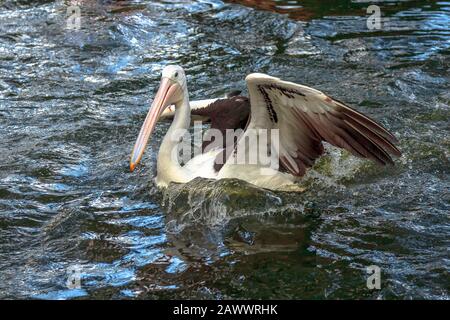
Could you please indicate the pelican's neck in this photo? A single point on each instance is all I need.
(168, 166)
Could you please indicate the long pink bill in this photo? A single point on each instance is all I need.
(163, 98)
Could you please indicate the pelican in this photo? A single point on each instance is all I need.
(301, 117)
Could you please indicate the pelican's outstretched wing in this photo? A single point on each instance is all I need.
(225, 114)
(305, 117)
(228, 113)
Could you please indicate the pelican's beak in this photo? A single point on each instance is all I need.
(166, 95)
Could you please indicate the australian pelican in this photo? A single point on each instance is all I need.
(302, 117)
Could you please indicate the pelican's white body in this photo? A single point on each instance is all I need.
(202, 165)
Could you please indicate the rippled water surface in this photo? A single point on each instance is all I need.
(72, 102)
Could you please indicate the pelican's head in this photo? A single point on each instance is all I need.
(171, 91)
(176, 74)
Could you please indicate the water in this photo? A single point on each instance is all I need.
(72, 102)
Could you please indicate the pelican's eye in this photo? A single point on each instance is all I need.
(176, 74)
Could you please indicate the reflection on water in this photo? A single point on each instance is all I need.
(72, 101)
